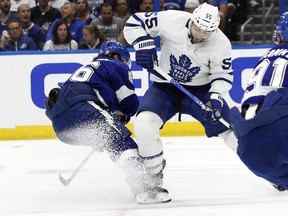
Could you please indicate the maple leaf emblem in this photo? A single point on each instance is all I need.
(181, 70)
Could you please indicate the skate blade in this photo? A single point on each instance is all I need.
(148, 198)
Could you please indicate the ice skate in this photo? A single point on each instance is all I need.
(153, 196)
(146, 187)
(151, 190)
(279, 188)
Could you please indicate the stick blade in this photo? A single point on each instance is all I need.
(64, 181)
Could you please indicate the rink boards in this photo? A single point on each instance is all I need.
(27, 78)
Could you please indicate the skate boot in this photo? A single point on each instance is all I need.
(153, 196)
(151, 190)
(146, 187)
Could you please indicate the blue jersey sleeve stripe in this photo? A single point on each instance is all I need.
(131, 25)
(139, 20)
(153, 156)
(222, 79)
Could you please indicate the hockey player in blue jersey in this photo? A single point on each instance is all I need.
(93, 105)
(195, 53)
(261, 123)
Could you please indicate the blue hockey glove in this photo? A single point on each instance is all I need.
(216, 101)
(146, 53)
(208, 116)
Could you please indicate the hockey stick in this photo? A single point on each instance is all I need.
(185, 91)
(79, 167)
(110, 121)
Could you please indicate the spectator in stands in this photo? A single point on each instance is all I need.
(58, 4)
(93, 38)
(15, 40)
(95, 6)
(161, 5)
(75, 25)
(107, 23)
(5, 15)
(29, 28)
(62, 39)
(146, 6)
(15, 4)
(122, 9)
(237, 15)
(83, 12)
(44, 14)
(190, 5)
(133, 6)
(174, 4)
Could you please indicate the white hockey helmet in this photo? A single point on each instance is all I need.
(206, 17)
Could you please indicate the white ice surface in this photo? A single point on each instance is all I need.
(203, 176)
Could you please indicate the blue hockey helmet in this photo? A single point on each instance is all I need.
(282, 28)
(112, 48)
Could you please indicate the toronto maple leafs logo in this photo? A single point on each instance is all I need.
(182, 70)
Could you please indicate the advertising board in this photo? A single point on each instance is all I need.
(27, 78)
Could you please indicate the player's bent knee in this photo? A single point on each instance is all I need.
(146, 129)
(146, 123)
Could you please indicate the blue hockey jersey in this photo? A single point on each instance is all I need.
(261, 127)
(106, 81)
(24, 43)
(36, 33)
(269, 74)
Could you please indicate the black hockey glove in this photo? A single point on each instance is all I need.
(52, 97)
(121, 117)
(124, 119)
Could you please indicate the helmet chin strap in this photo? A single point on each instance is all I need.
(190, 35)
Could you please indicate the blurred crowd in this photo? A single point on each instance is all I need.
(86, 24)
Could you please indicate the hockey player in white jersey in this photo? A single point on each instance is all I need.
(195, 53)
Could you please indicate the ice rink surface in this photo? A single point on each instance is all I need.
(203, 176)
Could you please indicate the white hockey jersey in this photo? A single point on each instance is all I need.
(190, 64)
